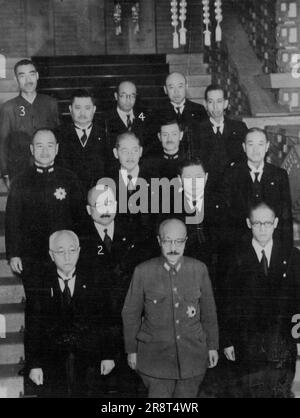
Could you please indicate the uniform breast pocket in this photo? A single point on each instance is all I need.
(155, 306)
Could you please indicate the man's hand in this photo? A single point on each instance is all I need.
(16, 264)
(107, 366)
(229, 353)
(37, 376)
(213, 358)
(131, 360)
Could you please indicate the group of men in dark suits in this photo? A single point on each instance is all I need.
(97, 199)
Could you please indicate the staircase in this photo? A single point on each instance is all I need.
(11, 320)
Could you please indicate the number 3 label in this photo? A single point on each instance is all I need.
(22, 111)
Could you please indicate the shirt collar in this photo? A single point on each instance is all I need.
(123, 115)
(179, 106)
(171, 156)
(253, 169)
(110, 229)
(134, 174)
(71, 275)
(215, 124)
(168, 266)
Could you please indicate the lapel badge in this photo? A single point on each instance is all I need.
(284, 262)
(191, 311)
(84, 286)
(124, 239)
(272, 183)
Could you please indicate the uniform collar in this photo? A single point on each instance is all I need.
(171, 156)
(44, 170)
(168, 266)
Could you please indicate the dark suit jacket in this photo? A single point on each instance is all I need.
(53, 331)
(114, 126)
(216, 155)
(88, 162)
(238, 193)
(256, 317)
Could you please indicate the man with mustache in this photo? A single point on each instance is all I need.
(111, 248)
(82, 142)
(21, 117)
(169, 319)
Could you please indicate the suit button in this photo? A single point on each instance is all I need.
(155, 301)
(284, 275)
(178, 337)
(175, 289)
(176, 305)
(177, 321)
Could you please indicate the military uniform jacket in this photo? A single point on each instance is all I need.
(170, 319)
(40, 202)
(19, 119)
(54, 330)
(258, 310)
(87, 162)
(239, 194)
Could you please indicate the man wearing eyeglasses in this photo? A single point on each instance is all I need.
(261, 287)
(67, 335)
(126, 116)
(169, 319)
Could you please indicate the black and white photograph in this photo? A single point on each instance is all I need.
(149, 201)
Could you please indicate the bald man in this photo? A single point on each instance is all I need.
(179, 107)
(169, 319)
(64, 338)
(126, 116)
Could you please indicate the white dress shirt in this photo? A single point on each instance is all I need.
(216, 125)
(110, 230)
(134, 174)
(71, 283)
(267, 249)
(123, 115)
(177, 106)
(80, 133)
(254, 170)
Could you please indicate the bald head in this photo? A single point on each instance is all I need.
(176, 87)
(59, 238)
(172, 226)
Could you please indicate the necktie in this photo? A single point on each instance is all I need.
(218, 133)
(264, 263)
(129, 123)
(67, 297)
(256, 174)
(130, 185)
(178, 113)
(83, 138)
(107, 240)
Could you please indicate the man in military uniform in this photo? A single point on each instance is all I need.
(42, 199)
(171, 333)
(21, 117)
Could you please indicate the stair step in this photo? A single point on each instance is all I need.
(185, 58)
(114, 80)
(196, 92)
(11, 290)
(98, 59)
(14, 315)
(3, 200)
(187, 69)
(199, 80)
(12, 348)
(5, 270)
(116, 70)
(2, 244)
(11, 384)
(63, 92)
